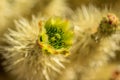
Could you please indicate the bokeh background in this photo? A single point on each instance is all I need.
(32, 7)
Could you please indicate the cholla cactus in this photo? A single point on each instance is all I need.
(97, 41)
(37, 50)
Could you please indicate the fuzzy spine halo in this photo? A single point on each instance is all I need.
(26, 58)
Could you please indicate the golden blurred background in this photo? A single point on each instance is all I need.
(105, 72)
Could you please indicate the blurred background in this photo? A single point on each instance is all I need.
(11, 9)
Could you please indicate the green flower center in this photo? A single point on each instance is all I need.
(55, 36)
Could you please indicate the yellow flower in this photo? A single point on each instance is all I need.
(56, 36)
